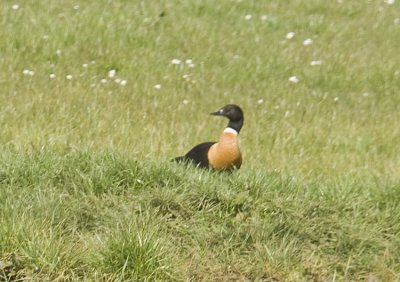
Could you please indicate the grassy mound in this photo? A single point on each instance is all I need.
(88, 215)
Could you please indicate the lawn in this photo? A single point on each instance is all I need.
(96, 98)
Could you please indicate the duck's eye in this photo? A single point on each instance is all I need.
(221, 111)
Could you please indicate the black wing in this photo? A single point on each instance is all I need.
(197, 155)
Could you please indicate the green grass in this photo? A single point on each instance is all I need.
(76, 215)
(86, 187)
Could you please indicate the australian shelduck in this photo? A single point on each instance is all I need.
(223, 155)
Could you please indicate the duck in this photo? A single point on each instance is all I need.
(225, 154)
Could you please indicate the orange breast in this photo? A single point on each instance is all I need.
(225, 155)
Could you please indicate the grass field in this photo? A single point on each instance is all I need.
(96, 97)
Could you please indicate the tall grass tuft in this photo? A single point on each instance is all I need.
(135, 252)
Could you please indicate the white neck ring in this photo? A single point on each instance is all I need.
(230, 130)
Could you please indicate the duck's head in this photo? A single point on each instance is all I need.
(235, 115)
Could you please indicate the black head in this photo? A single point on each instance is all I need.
(235, 115)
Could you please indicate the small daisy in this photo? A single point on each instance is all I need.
(52, 75)
(15, 7)
(307, 42)
(45, 37)
(69, 76)
(294, 79)
(31, 73)
(123, 82)
(316, 63)
(248, 17)
(260, 101)
(390, 2)
(185, 102)
(189, 63)
(176, 62)
(290, 35)
(111, 73)
(186, 76)
(118, 80)
(58, 52)
(26, 72)
(85, 65)
(365, 94)
(76, 7)
(336, 99)
(157, 86)
(264, 18)
(103, 80)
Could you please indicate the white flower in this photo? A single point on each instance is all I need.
(25, 72)
(307, 42)
(264, 18)
(294, 79)
(189, 63)
(336, 99)
(365, 94)
(157, 86)
(390, 2)
(93, 62)
(103, 80)
(69, 76)
(186, 76)
(118, 80)
(31, 73)
(76, 7)
(85, 65)
(316, 63)
(176, 62)
(45, 37)
(123, 82)
(290, 35)
(260, 101)
(248, 17)
(111, 73)
(52, 75)
(58, 52)
(15, 7)
(185, 102)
